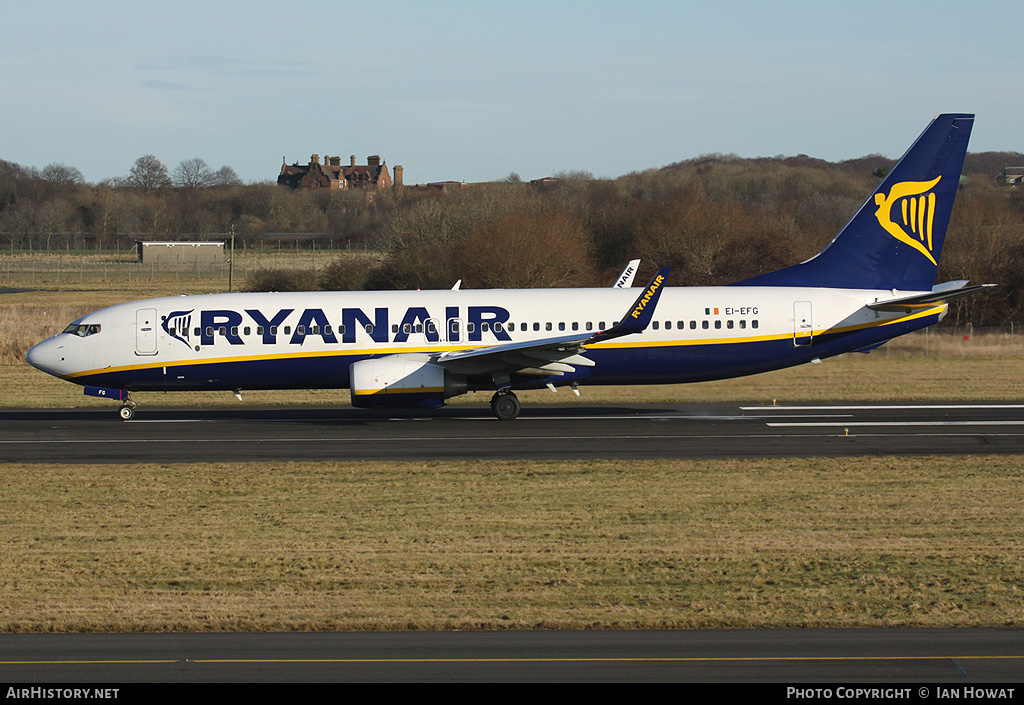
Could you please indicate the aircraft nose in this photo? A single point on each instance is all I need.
(41, 356)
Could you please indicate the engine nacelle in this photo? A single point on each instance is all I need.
(402, 381)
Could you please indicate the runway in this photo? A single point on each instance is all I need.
(171, 435)
(958, 657)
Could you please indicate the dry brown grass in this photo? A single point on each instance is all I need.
(926, 542)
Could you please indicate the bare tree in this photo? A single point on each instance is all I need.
(193, 173)
(62, 174)
(148, 173)
(226, 176)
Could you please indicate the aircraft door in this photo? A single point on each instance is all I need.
(803, 324)
(145, 331)
(432, 329)
(455, 330)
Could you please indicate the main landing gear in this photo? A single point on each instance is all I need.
(505, 405)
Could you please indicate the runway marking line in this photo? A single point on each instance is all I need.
(881, 407)
(892, 423)
(561, 659)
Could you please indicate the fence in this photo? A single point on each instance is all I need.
(25, 269)
(957, 341)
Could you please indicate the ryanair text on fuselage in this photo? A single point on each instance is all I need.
(480, 320)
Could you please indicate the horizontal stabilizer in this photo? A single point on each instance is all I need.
(941, 293)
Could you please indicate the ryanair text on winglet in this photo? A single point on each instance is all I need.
(651, 290)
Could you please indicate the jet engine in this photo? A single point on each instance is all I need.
(402, 381)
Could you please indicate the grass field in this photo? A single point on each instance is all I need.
(927, 542)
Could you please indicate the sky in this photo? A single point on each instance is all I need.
(473, 91)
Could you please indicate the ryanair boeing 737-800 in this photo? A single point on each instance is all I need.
(874, 281)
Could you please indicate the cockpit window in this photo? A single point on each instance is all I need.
(83, 329)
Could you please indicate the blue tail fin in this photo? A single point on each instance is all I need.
(895, 239)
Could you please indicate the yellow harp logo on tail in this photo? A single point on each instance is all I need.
(916, 214)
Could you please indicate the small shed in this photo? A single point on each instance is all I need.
(180, 252)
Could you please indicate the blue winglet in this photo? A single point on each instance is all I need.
(640, 313)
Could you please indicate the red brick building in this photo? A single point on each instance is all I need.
(332, 175)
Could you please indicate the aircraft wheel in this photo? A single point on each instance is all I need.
(127, 413)
(506, 406)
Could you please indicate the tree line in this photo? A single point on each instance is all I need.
(715, 219)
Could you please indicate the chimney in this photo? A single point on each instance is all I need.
(399, 172)
(353, 160)
(315, 159)
(373, 160)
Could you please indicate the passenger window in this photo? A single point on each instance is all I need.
(536, 326)
(299, 330)
(654, 325)
(234, 331)
(718, 324)
(743, 324)
(209, 331)
(693, 325)
(753, 323)
(368, 328)
(590, 325)
(406, 328)
(561, 325)
(728, 324)
(705, 325)
(273, 330)
(246, 330)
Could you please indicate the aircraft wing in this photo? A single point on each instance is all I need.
(555, 355)
(940, 293)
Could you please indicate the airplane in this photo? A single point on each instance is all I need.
(874, 281)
